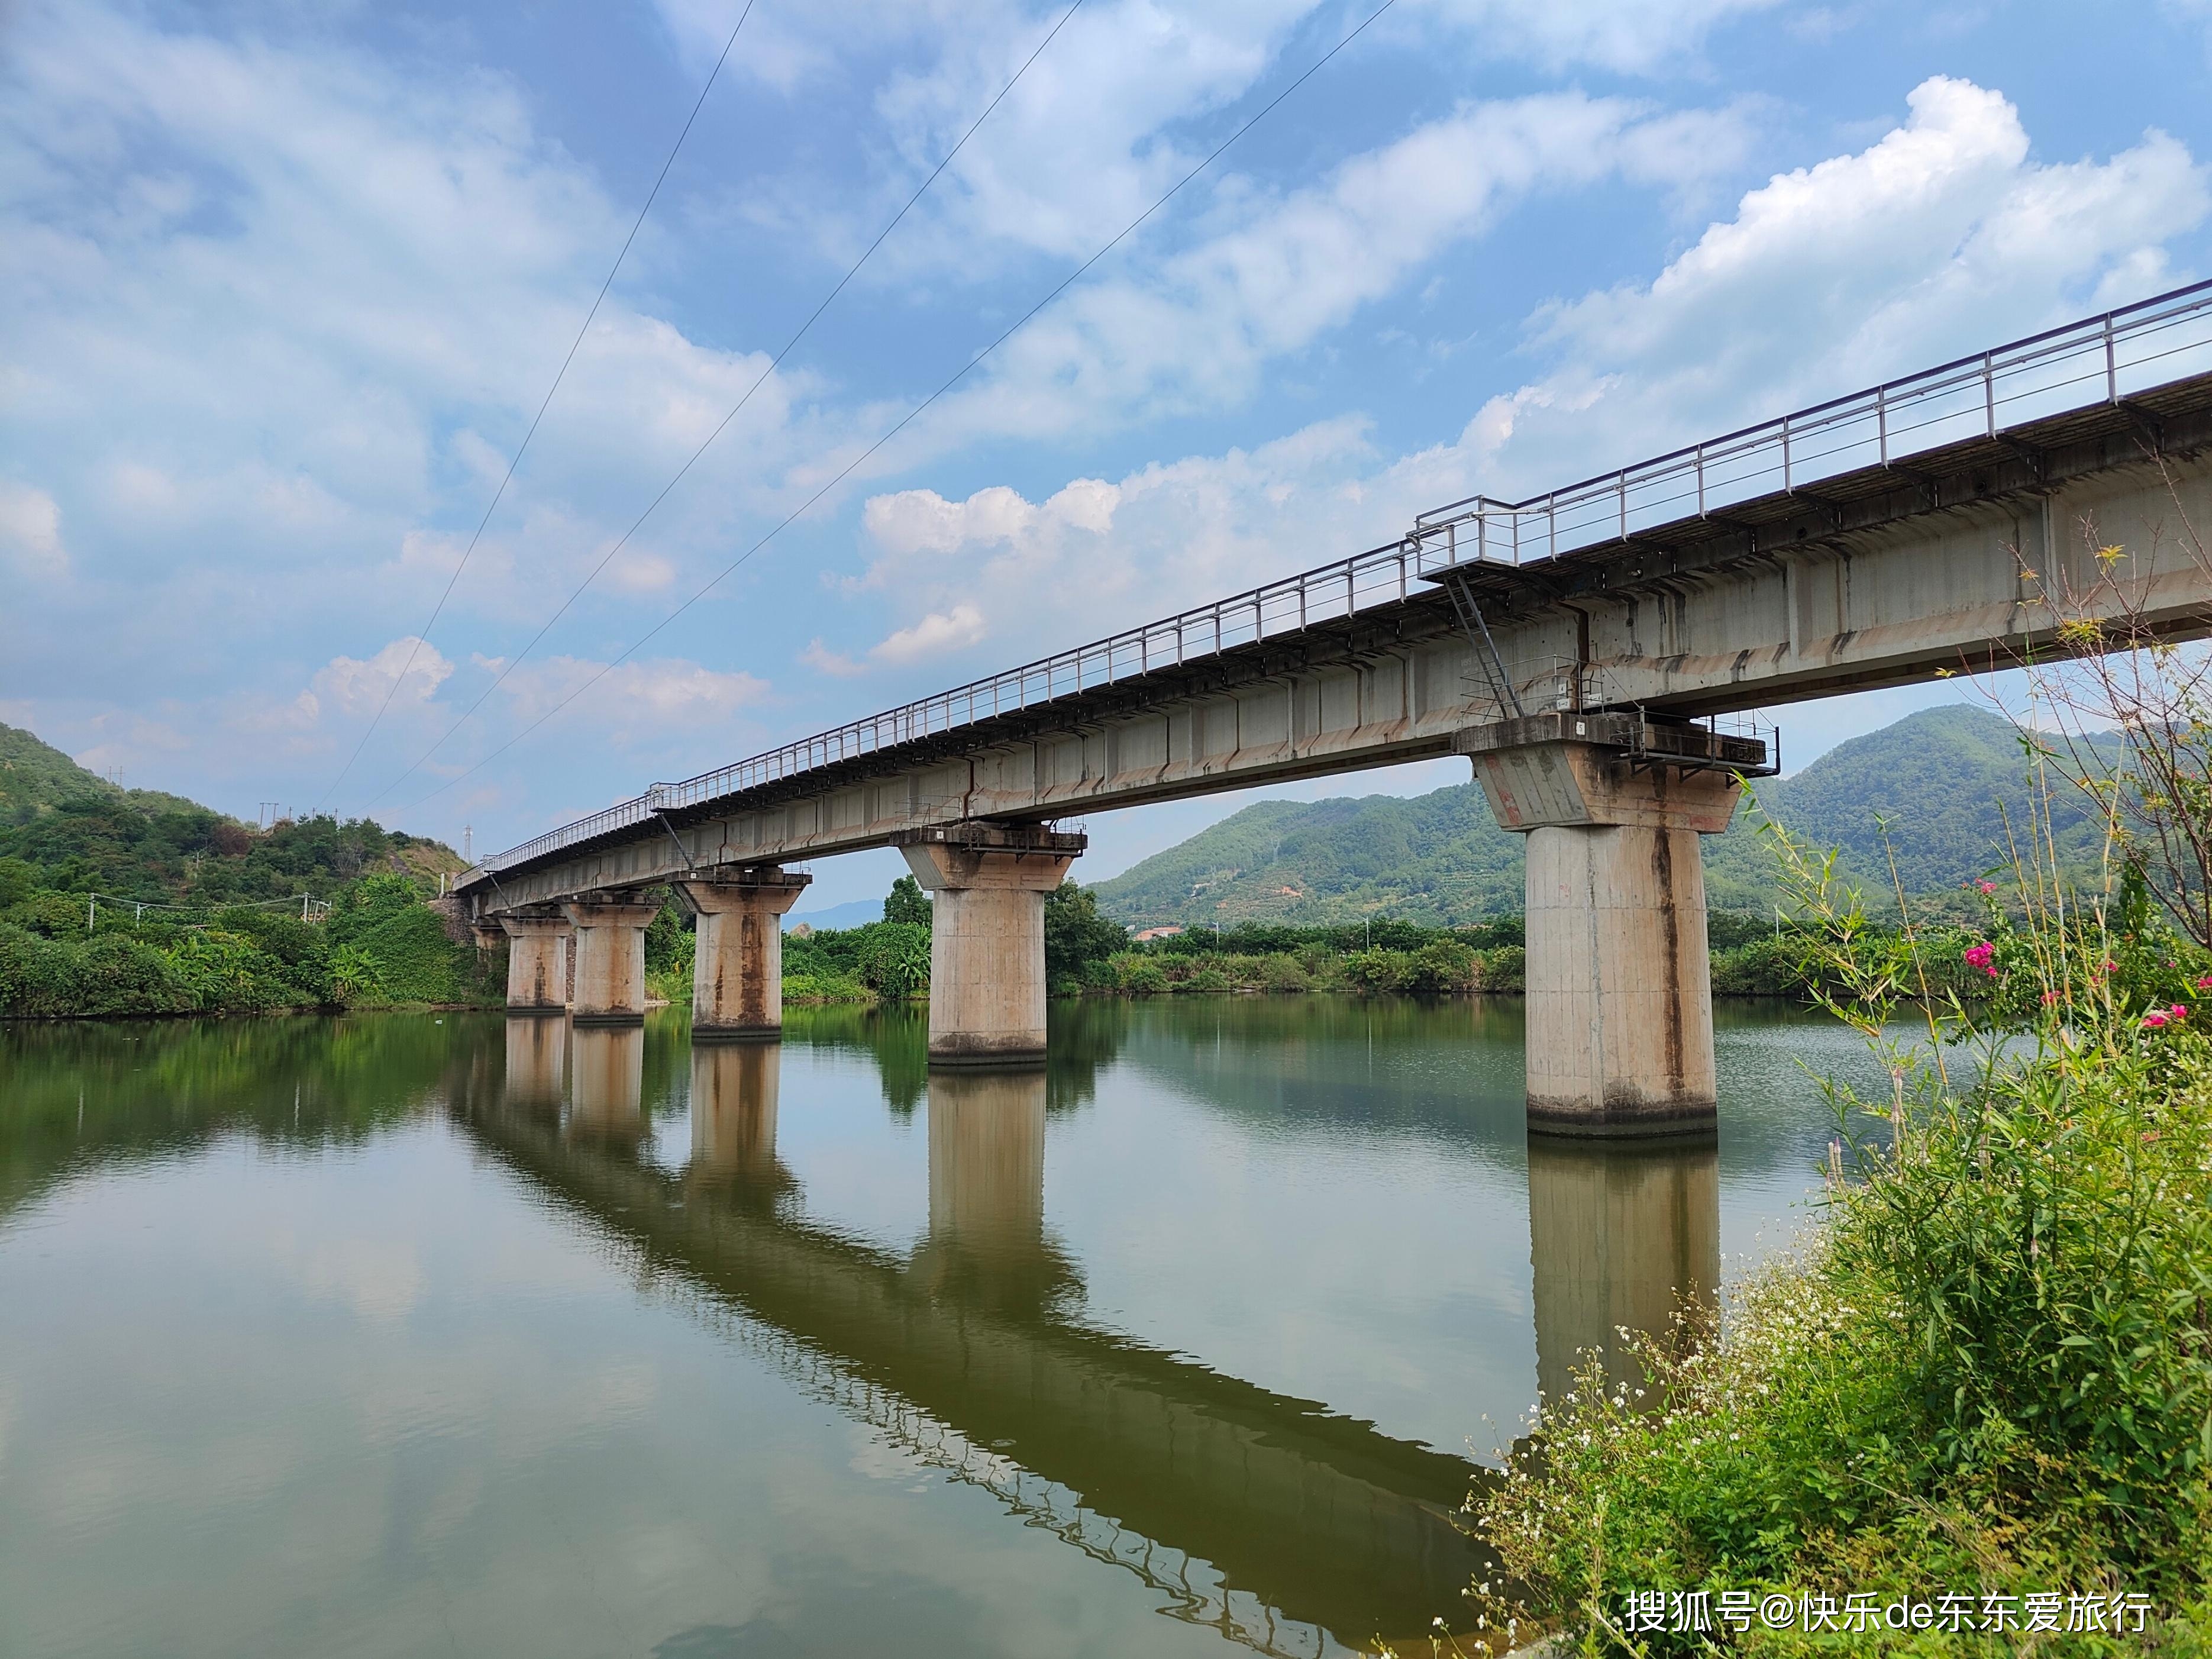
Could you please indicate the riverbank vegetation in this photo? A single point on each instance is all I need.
(1983, 1385)
(64, 955)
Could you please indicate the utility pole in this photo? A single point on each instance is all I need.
(469, 842)
(91, 909)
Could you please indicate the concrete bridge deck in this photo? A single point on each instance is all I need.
(1793, 577)
(1567, 644)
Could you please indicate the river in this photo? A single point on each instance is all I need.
(401, 1334)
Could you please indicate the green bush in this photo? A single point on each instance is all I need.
(1446, 965)
(1505, 969)
(1207, 980)
(1139, 977)
(1075, 934)
(1379, 969)
(415, 961)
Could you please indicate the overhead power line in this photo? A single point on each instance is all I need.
(962, 374)
(514, 662)
(423, 635)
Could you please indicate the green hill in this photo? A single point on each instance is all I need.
(34, 775)
(65, 829)
(1944, 778)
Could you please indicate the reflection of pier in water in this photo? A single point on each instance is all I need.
(1620, 1234)
(1252, 1511)
(1267, 1517)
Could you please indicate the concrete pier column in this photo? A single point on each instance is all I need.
(610, 981)
(536, 962)
(737, 975)
(1619, 987)
(536, 1059)
(986, 989)
(1623, 1235)
(606, 1090)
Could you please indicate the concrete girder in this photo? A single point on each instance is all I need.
(1690, 618)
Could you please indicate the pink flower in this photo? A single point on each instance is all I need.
(2205, 983)
(1987, 886)
(2049, 999)
(2153, 1019)
(1977, 955)
(2179, 1011)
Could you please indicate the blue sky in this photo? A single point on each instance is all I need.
(284, 284)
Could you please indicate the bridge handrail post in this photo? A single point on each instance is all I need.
(1988, 397)
(1785, 455)
(2112, 366)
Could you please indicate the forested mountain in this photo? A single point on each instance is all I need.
(65, 829)
(1943, 779)
(34, 775)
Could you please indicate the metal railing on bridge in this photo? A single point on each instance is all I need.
(2110, 354)
(1978, 397)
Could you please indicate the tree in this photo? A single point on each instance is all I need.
(907, 903)
(1075, 934)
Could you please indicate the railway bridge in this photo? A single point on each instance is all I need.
(1584, 648)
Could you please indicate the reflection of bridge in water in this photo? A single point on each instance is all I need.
(1269, 1517)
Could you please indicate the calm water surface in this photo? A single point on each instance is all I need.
(396, 1335)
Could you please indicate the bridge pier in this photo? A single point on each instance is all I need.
(536, 963)
(736, 975)
(1619, 985)
(988, 884)
(610, 979)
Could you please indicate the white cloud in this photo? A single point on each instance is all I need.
(631, 694)
(1939, 237)
(1632, 36)
(1111, 100)
(357, 690)
(31, 533)
(935, 634)
(1197, 331)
